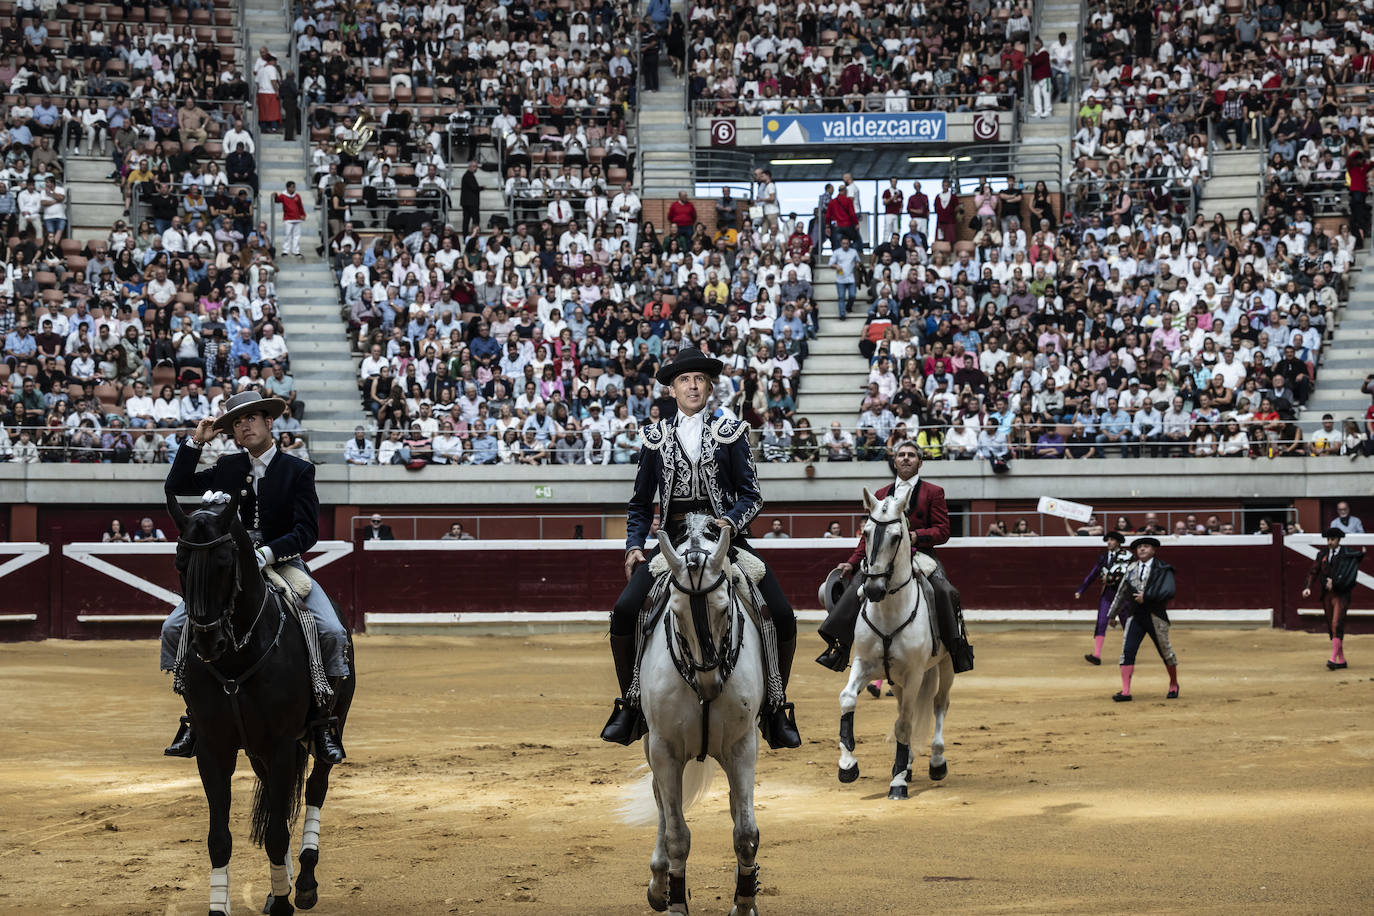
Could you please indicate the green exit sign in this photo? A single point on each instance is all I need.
(543, 492)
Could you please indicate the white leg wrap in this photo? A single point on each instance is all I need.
(281, 880)
(310, 835)
(219, 890)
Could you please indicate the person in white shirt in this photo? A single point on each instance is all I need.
(30, 203)
(174, 238)
(139, 408)
(272, 347)
(1061, 66)
(625, 208)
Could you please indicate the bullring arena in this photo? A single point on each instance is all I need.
(475, 784)
(437, 301)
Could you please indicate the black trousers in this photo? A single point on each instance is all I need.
(625, 614)
(844, 616)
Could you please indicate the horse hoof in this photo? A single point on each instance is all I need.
(848, 775)
(306, 898)
(938, 773)
(657, 904)
(897, 793)
(278, 906)
(749, 910)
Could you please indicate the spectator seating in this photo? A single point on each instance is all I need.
(797, 57)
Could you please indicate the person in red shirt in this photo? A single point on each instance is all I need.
(928, 517)
(1357, 179)
(918, 208)
(292, 214)
(799, 242)
(683, 215)
(1041, 74)
(843, 220)
(892, 210)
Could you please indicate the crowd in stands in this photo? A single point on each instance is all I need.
(399, 98)
(802, 56)
(1117, 325)
(115, 346)
(537, 347)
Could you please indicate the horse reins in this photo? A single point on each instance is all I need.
(888, 638)
(725, 656)
(231, 686)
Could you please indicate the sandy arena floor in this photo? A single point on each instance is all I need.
(475, 784)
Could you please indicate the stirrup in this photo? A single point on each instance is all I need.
(835, 657)
(626, 724)
(326, 744)
(779, 727)
(184, 744)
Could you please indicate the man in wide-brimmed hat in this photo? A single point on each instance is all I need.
(1143, 599)
(1111, 566)
(695, 463)
(279, 507)
(1334, 574)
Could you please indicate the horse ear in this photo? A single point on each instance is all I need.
(722, 549)
(178, 514)
(665, 545)
(868, 501)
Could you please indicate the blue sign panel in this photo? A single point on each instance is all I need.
(858, 127)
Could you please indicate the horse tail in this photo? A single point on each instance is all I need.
(257, 833)
(638, 806)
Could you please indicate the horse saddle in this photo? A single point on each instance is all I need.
(289, 580)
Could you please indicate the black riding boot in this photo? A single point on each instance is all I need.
(626, 724)
(838, 630)
(184, 744)
(952, 632)
(779, 725)
(324, 730)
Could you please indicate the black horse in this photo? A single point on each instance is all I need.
(247, 685)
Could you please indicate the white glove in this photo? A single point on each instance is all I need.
(262, 557)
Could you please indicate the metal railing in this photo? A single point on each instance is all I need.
(868, 103)
(999, 523)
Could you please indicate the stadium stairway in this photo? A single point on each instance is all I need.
(1055, 16)
(1348, 357)
(94, 202)
(834, 375)
(665, 147)
(1233, 183)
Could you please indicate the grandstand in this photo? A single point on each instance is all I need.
(517, 219)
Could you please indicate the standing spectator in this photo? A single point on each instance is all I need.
(682, 213)
(1345, 521)
(843, 220)
(267, 80)
(845, 260)
(1061, 63)
(1041, 82)
(470, 198)
(293, 214)
(54, 202)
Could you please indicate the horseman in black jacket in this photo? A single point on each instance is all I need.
(279, 507)
(694, 462)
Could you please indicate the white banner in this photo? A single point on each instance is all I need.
(1063, 508)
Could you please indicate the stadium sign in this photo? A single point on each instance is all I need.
(853, 127)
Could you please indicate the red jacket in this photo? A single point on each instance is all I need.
(928, 517)
(682, 213)
(840, 212)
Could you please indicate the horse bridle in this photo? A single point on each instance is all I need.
(225, 620)
(881, 526)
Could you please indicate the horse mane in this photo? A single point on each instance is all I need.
(700, 525)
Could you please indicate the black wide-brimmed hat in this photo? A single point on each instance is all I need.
(247, 402)
(1114, 536)
(1153, 542)
(1333, 532)
(689, 359)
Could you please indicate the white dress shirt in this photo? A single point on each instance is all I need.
(689, 431)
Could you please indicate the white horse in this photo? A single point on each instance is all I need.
(701, 690)
(894, 636)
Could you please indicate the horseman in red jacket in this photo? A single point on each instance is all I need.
(929, 521)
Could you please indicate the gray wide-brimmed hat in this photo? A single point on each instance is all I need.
(247, 402)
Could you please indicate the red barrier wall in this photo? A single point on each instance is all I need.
(115, 581)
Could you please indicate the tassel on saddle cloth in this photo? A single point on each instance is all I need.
(293, 586)
(746, 571)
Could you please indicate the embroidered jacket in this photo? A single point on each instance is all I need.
(724, 476)
(1111, 566)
